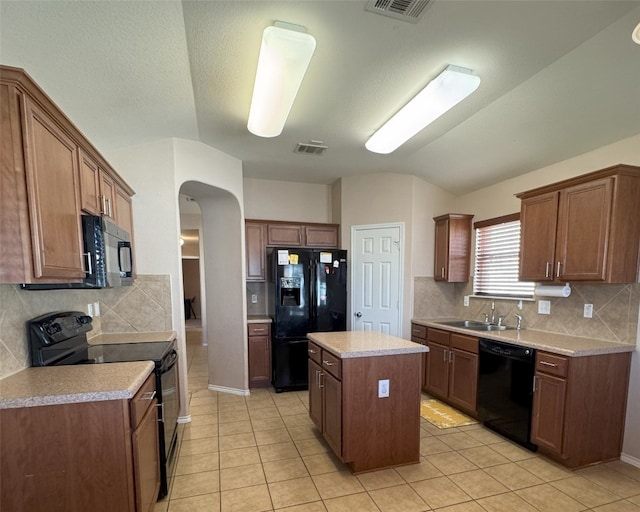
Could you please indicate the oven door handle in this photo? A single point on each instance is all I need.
(170, 361)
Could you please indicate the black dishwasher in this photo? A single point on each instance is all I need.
(505, 390)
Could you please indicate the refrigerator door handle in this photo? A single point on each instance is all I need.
(313, 295)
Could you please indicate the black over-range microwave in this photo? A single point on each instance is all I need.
(108, 253)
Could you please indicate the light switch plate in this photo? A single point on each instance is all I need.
(588, 310)
(90, 309)
(254, 298)
(383, 388)
(96, 309)
(544, 307)
(466, 301)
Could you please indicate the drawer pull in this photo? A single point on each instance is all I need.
(258, 330)
(327, 363)
(149, 395)
(311, 351)
(549, 364)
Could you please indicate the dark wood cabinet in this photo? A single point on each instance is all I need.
(583, 229)
(452, 367)
(419, 335)
(365, 431)
(260, 234)
(49, 174)
(452, 247)
(579, 406)
(100, 456)
(255, 252)
(259, 339)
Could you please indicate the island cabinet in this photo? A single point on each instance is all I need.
(452, 247)
(259, 339)
(49, 174)
(582, 229)
(451, 369)
(75, 457)
(579, 406)
(364, 428)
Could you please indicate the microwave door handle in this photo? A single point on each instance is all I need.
(89, 270)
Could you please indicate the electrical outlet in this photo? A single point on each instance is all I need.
(383, 388)
(96, 309)
(254, 298)
(544, 307)
(466, 301)
(588, 310)
(90, 309)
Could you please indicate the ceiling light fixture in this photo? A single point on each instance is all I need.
(285, 54)
(446, 90)
(635, 35)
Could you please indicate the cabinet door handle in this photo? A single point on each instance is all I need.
(258, 330)
(89, 270)
(149, 395)
(545, 363)
(442, 272)
(311, 351)
(558, 269)
(327, 363)
(547, 269)
(320, 375)
(104, 204)
(534, 384)
(451, 356)
(444, 356)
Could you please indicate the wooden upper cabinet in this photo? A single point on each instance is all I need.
(52, 190)
(255, 252)
(583, 229)
(322, 236)
(123, 214)
(108, 195)
(50, 173)
(452, 247)
(285, 235)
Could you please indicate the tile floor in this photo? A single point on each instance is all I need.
(262, 453)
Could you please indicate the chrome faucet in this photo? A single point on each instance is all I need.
(493, 312)
(519, 319)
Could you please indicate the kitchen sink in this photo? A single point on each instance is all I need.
(475, 325)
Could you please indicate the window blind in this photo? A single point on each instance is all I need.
(497, 260)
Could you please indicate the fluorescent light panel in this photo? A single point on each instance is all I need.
(285, 54)
(446, 90)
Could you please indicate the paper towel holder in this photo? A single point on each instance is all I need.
(543, 290)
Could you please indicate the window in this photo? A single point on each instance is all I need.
(498, 258)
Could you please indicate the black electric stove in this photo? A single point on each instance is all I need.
(60, 338)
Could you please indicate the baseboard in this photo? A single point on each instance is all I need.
(231, 391)
(634, 461)
(184, 419)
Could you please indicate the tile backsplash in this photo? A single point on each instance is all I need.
(145, 306)
(615, 309)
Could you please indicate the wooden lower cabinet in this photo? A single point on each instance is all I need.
(99, 456)
(259, 339)
(579, 407)
(365, 431)
(452, 367)
(419, 335)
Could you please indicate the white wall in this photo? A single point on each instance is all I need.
(156, 172)
(285, 200)
(500, 199)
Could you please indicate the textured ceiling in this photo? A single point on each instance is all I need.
(559, 78)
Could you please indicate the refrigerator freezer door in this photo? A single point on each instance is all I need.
(329, 293)
(292, 296)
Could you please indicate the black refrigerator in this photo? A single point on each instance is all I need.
(310, 288)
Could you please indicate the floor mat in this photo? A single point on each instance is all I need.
(443, 416)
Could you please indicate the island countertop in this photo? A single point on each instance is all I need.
(573, 346)
(349, 344)
(55, 385)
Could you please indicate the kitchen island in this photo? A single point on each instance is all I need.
(364, 396)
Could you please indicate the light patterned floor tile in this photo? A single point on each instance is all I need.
(323, 463)
(585, 491)
(478, 484)
(513, 476)
(509, 502)
(440, 492)
(202, 503)
(242, 476)
(287, 469)
(401, 498)
(380, 479)
(547, 498)
(611, 480)
(246, 499)
(483, 456)
(315, 506)
(618, 506)
(545, 469)
(184, 486)
(278, 451)
(361, 502)
(415, 472)
(450, 463)
(196, 463)
(293, 492)
(338, 483)
(239, 457)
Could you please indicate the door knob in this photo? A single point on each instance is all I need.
(358, 314)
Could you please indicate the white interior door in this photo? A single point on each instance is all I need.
(376, 303)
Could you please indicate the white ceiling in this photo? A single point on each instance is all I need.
(559, 78)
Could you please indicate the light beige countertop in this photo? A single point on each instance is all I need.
(259, 319)
(542, 340)
(347, 344)
(132, 337)
(55, 385)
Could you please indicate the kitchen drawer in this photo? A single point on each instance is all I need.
(438, 336)
(418, 331)
(315, 353)
(462, 342)
(142, 400)
(552, 364)
(332, 364)
(259, 329)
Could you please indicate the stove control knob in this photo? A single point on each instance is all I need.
(53, 328)
(83, 320)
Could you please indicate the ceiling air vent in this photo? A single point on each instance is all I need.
(315, 147)
(406, 10)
